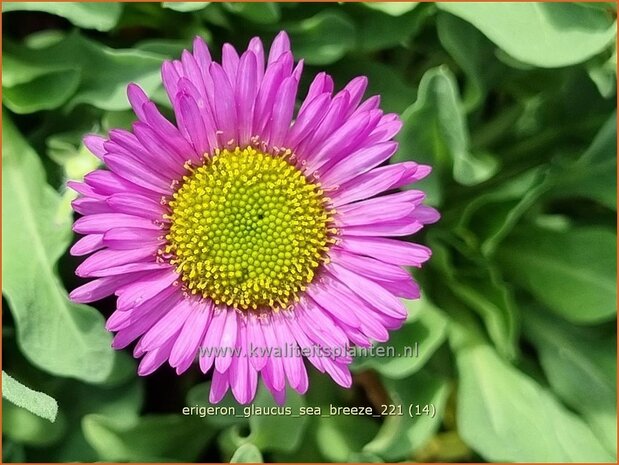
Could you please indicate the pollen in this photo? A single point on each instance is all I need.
(248, 229)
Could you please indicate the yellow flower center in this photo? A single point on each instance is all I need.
(248, 229)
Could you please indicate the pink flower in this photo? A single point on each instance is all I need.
(244, 236)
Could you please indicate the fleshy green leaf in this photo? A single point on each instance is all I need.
(104, 72)
(339, 436)
(42, 93)
(22, 426)
(16, 71)
(493, 214)
(12, 452)
(36, 402)
(488, 296)
(392, 8)
(151, 438)
(277, 432)
(593, 175)
(324, 38)
(604, 75)
(378, 30)
(247, 453)
(435, 132)
(581, 366)
(120, 403)
(100, 16)
(185, 7)
(572, 272)
(473, 52)
(506, 416)
(271, 429)
(401, 435)
(412, 345)
(548, 35)
(56, 335)
(258, 12)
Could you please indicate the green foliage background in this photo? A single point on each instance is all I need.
(513, 105)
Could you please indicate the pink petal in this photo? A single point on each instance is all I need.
(167, 326)
(374, 182)
(110, 258)
(358, 163)
(143, 289)
(94, 143)
(369, 291)
(102, 222)
(155, 358)
(132, 238)
(388, 250)
(87, 244)
(212, 338)
(219, 387)
(281, 45)
(228, 341)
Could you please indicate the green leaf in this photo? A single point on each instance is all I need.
(274, 430)
(56, 335)
(170, 48)
(604, 75)
(376, 30)
(104, 72)
(493, 214)
(120, 403)
(401, 435)
(489, 297)
(412, 345)
(307, 452)
(76, 160)
(247, 453)
(506, 416)
(42, 93)
(364, 457)
(12, 452)
(572, 272)
(473, 52)
(593, 175)
(185, 7)
(151, 438)
(435, 132)
(581, 367)
(277, 432)
(548, 35)
(340, 436)
(16, 71)
(392, 8)
(479, 284)
(24, 427)
(261, 13)
(35, 402)
(99, 16)
(323, 38)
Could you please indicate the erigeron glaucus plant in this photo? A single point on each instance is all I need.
(248, 226)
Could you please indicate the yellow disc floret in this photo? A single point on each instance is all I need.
(247, 229)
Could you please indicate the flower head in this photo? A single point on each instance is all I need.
(245, 236)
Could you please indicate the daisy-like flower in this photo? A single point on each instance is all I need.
(245, 237)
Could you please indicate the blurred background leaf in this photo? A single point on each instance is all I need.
(551, 36)
(61, 337)
(100, 16)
